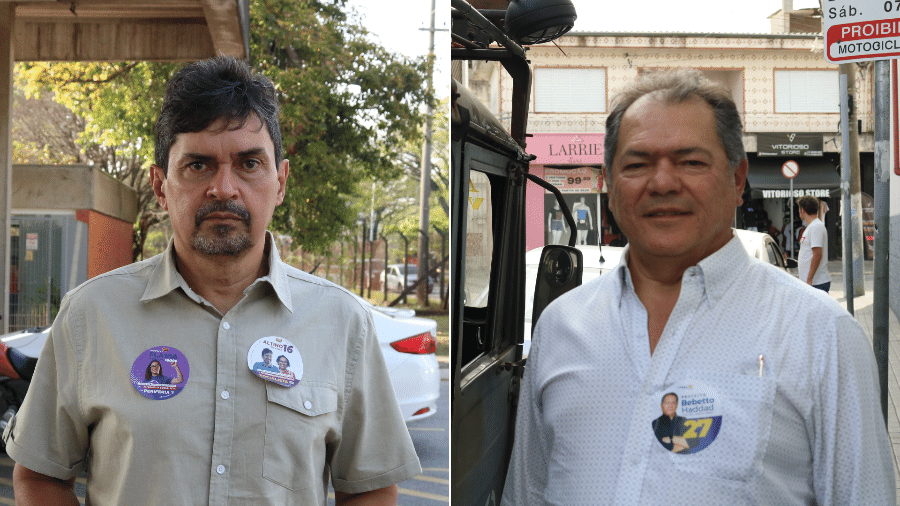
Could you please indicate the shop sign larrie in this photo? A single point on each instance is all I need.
(566, 148)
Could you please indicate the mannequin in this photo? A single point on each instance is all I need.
(556, 224)
(583, 220)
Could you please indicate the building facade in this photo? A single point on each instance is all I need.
(786, 92)
(63, 234)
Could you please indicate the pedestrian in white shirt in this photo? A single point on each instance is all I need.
(813, 260)
(776, 383)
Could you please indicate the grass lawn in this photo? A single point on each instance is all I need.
(443, 334)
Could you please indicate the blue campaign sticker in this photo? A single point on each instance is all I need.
(277, 360)
(160, 373)
(691, 417)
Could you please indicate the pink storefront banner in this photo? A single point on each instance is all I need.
(566, 149)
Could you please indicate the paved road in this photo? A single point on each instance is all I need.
(431, 438)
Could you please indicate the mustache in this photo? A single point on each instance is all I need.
(222, 206)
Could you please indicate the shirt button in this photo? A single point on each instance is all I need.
(307, 405)
(225, 394)
(226, 325)
(220, 469)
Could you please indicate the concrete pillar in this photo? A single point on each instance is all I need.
(7, 23)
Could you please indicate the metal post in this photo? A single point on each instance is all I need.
(384, 283)
(362, 262)
(371, 258)
(791, 203)
(425, 181)
(845, 195)
(405, 264)
(880, 332)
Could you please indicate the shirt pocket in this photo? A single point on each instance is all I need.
(298, 423)
(737, 452)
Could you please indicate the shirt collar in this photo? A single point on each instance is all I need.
(165, 276)
(721, 269)
(718, 271)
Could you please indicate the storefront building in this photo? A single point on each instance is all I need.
(770, 199)
(785, 92)
(572, 163)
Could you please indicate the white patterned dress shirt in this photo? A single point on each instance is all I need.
(800, 426)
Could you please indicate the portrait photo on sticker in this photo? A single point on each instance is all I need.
(690, 420)
(160, 373)
(277, 360)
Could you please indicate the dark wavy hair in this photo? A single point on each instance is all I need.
(208, 90)
(148, 375)
(285, 359)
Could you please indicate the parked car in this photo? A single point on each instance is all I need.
(593, 268)
(393, 276)
(407, 342)
(758, 245)
(761, 245)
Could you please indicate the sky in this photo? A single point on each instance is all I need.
(398, 30)
(728, 16)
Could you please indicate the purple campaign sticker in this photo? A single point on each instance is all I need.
(277, 360)
(160, 373)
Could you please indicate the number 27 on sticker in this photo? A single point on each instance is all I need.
(703, 424)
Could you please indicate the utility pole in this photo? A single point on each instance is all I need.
(425, 179)
(855, 249)
(880, 315)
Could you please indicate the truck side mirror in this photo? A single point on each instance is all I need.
(559, 270)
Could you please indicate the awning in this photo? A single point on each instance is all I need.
(816, 173)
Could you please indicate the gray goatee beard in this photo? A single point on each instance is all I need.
(222, 239)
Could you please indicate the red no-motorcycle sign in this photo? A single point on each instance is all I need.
(861, 30)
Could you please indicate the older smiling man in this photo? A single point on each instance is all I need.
(775, 382)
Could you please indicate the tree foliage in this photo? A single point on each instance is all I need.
(396, 201)
(348, 106)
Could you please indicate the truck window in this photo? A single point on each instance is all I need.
(479, 241)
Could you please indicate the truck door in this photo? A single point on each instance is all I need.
(488, 267)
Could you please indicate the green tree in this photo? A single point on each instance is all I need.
(347, 106)
(396, 201)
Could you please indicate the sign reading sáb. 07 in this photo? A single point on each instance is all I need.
(861, 30)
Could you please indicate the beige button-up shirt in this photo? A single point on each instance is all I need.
(228, 437)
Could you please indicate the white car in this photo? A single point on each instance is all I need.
(761, 245)
(758, 245)
(407, 343)
(593, 268)
(393, 276)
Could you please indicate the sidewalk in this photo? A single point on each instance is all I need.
(862, 310)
